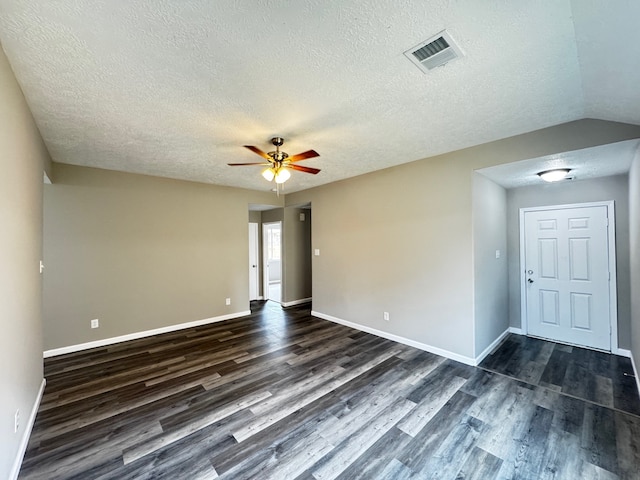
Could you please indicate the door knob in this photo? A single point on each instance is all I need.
(529, 280)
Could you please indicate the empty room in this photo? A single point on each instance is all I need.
(319, 240)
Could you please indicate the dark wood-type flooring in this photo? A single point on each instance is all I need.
(283, 395)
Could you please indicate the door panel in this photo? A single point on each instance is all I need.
(567, 275)
(253, 261)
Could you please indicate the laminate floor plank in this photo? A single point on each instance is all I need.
(591, 375)
(480, 465)
(282, 395)
(377, 457)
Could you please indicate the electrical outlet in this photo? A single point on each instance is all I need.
(95, 323)
(16, 421)
(227, 301)
(385, 315)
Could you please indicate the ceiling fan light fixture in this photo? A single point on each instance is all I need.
(282, 175)
(554, 175)
(268, 174)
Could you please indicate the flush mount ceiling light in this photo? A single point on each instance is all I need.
(554, 175)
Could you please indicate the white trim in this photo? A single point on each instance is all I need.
(491, 347)
(296, 302)
(396, 338)
(611, 240)
(265, 261)
(254, 227)
(635, 372)
(24, 442)
(516, 331)
(622, 352)
(147, 333)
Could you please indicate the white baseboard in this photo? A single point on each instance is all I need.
(516, 331)
(24, 442)
(622, 352)
(296, 302)
(493, 345)
(399, 339)
(147, 333)
(635, 372)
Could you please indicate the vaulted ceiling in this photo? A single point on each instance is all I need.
(175, 88)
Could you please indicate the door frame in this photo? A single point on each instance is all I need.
(265, 261)
(254, 227)
(611, 242)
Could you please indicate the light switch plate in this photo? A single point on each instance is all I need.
(316, 252)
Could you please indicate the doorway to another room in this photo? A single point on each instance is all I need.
(272, 257)
(254, 256)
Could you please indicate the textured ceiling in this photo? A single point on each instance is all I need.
(175, 88)
(601, 161)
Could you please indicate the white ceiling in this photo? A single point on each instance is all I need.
(601, 161)
(175, 88)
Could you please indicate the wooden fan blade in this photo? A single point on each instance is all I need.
(303, 156)
(304, 169)
(242, 164)
(258, 151)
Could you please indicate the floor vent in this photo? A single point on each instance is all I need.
(435, 52)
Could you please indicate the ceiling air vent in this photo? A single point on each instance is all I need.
(435, 52)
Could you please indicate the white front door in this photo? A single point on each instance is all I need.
(566, 275)
(253, 261)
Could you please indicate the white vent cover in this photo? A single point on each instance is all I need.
(435, 52)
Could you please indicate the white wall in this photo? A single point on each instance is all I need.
(22, 159)
(576, 191)
(634, 256)
(491, 287)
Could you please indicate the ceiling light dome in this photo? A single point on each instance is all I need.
(283, 175)
(554, 175)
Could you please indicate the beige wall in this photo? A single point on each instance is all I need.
(22, 159)
(140, 253)
(273, 215)
(491, 281)
(297, 255)
(634, 257)
(577, 191)
(401, 239)
(255, 217)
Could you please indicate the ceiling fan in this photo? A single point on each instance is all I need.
(280, 162)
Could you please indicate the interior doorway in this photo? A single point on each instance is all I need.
(254, 276)
(272, 257)
(568, 274)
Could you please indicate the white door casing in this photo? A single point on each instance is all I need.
(272, 263)
(568, 274)
(253, 261)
